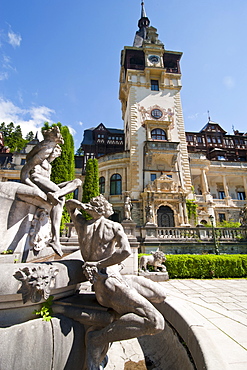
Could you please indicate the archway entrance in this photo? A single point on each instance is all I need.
(165, 216)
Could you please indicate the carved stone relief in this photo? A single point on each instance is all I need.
(40, 230)
(36, 282)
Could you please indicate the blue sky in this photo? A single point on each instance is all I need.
(60, 60)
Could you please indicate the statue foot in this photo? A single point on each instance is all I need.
(96, 352)
(57, 248)
(52, 199)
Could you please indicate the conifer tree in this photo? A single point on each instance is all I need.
(91, 183)
(13, 136)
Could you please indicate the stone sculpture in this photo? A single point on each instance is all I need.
(243, 217)
(39, 232)
(149, 214)
(127, 208)
(155, 259)
(36, 282)
(104, 246)
(36, 173)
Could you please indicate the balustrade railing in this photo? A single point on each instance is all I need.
(194, 233)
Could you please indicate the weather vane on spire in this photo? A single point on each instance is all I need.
(208, 116)
(142, 24)
(143, 13)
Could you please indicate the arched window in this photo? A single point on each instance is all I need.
(102, 185)
(116, 184)
(158, 134)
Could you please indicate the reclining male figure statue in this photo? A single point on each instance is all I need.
(104, 246)
(36, 173)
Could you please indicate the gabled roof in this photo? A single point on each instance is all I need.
(209, 125)
(88, 138)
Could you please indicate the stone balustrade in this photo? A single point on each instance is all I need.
(194, 233)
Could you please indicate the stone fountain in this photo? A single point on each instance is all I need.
(92, 316)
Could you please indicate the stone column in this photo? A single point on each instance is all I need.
(225, 187)
(107, 184)
(205, 189)
(185, 213)
(181, 212)
(245, 185)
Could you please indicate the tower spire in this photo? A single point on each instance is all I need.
(143, 23)
(143, 12)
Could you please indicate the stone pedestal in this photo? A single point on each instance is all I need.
(155, 276)
(131, 263)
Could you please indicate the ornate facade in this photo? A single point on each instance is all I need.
(163, 169)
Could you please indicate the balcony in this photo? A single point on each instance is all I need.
(161, 147)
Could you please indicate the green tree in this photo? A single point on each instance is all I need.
(63, 167)
(13, 136)
(91, 183)
(30, 136)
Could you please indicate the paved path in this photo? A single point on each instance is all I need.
(222, 305)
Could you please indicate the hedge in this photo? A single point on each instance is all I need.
(206, 266)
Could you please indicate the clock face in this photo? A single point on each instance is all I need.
(154, 59)
(156, 113)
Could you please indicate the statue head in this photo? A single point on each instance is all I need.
(99, 206)
(53, 134)
(36, 281)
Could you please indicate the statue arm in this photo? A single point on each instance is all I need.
(73, 205)
(122, 250)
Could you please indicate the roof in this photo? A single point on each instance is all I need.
(88, 138)
(212, 123)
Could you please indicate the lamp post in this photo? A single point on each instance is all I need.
(216, 248)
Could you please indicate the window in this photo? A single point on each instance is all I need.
(158, 134)
(222, 194)
(189, 138)
(222, 217)
(156, 113)
(209, 139)
(23, 161)
(219, 140)
(241, 195)
(102, 185)
(199, 139)
(154, 85)
(221, 158)
(153, 176)
(116, 184)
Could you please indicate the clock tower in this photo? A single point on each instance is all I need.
(158, 174)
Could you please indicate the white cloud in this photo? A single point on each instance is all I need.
(194, 116)
(14, 39)
(229, 82)
(41, 114)
(30, 119)
(72, 130)
(80, 123)
(4, 76)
